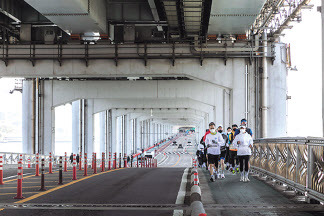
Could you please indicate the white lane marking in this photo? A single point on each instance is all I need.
(182, 193)
(15, 176)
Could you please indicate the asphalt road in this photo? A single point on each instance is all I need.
(173, 156)
(155, 187)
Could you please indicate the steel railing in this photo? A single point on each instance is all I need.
(297, 162)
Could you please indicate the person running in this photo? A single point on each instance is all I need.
(248, 130)
(200, 155)
(229, 131)
(213, 142)
(223, 152)
(244, 143)
(203, 139)
(234, 162)
(71, 158)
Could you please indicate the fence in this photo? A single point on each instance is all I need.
(297, 162)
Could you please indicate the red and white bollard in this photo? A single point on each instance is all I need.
(196, 181)
(95, 163)
(80, 161)
(19, 181)
(92, 164)
(115, 159)
(103, 162)
(85, 165)
(65, 162)
(37, 165)
(28, 161)
(109, 162)
(74, 177)
(22, 170)
(1, 170)
(125, 160)
(50, 164)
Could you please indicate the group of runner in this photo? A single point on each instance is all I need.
(233, 149)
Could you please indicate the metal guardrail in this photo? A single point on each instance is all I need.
(296, 161)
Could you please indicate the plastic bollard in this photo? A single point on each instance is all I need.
(80, 161)
(65, 162)
(109, 162)
(85, 165)
(1, 170)
(19, 182)
(43, 177)
(37, 165)
(60, 172)
(74, 176)
(50, 164)
(22, 168)
(95, 163)
(102, 162)
(29, 166)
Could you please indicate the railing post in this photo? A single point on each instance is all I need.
(310, 168)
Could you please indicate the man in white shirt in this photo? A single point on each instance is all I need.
(244, 143)
(213, 142)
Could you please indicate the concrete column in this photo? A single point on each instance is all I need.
(128, 135)
(28, 134)
(102, 119)
(76, 126)
(89, 127)
(49, 118)
(151, 133)
(137, 134)
(113, 132)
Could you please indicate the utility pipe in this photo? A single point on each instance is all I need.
(264, 92)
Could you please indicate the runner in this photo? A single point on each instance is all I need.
(234, 162)
(223, 152)
(244, 143)
(213, 142)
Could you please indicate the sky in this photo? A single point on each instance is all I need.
(304, 86)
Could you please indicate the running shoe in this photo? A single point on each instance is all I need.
(218, 176)
(212, 179)
(222, 176)
(233, 171)
(237, 170)
(242, 179)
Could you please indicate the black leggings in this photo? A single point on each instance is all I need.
(246, 159)
(233, 158)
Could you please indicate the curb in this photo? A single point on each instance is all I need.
(196, 206)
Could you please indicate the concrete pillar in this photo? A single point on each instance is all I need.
(49, 119)
(113, 132)
(28, 134)
(128, 135)
(137, 134)
(76, 127)
(89, 127)
(151, 133)
(102, 119)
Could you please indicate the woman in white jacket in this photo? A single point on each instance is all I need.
(244, 143)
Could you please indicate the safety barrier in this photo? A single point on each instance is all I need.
(297, 162)
(196, 206)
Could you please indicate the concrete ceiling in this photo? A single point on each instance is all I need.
(233, 16)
